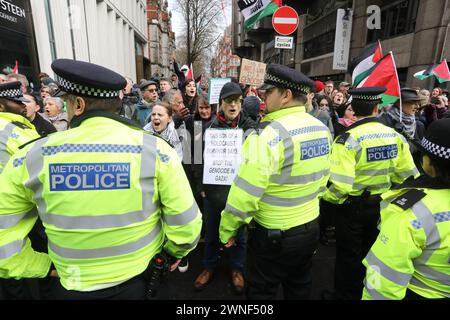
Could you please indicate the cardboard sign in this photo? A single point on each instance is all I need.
(252, 72)
(215, 86)
(222, 156)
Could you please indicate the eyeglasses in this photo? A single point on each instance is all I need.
(231, 100)
(324, 104)
(151, 90)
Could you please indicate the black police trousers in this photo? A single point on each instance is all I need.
(280, 258)
(356, 232)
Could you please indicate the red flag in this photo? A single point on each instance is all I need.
(384, 74)
(190, 74)
(442, 72)
(16, 67)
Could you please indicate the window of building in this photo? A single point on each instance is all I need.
(397, 18)
(319, 45)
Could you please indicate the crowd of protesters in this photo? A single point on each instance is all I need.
(178, 110)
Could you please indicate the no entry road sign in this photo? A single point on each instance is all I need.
(285, 20)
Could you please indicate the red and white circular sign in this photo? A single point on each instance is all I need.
(285, 20)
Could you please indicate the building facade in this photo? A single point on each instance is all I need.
(161, 37)
(112, 33)
(416, 31)
(225, 64)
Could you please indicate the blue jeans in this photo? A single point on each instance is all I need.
(237, 253)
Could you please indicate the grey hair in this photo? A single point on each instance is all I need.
(58, 101)
(170, 95)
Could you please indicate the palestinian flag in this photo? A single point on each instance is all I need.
(366, 60)
(384, 74)
(441, 72)
(255, 10)
(16, 68)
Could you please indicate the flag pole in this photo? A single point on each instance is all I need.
(399, 89)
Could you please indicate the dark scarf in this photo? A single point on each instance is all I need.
(223, 121)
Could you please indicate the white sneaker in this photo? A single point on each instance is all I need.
(184, 265)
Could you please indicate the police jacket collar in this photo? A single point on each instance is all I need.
(78, 120)
(361, 122)
(284, 112)
(426, 182)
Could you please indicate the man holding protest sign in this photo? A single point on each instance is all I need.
(232, 123)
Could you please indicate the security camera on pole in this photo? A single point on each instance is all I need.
(285, 22)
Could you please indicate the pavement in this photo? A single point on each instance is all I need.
(220, 288)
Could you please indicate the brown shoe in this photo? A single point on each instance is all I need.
(237, 278)
(202, 280)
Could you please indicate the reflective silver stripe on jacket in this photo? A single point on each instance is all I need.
(433, 242)
(9, 221)
(374, 187)
(420, 284)
(341, 178)
(34, 164)
(183, 217)
(374, 293)
(189, 245)
(290, 202)
(248, 187)
(375, 172)
(127, 248)
(400, 278)
(336, 192)
(10, 249)
(356, 146)
(285, 176)
(4, 137)
(238, 213)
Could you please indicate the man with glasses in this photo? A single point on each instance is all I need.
(149, 90)
(229, 117)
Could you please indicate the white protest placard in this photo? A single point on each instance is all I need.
(222, 157)
(215, 86)
(342, 40)
(252, 72)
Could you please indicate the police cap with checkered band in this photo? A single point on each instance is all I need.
(12, 91)
(366, 94)
(87, 79)
(284, 77)
(436, 142)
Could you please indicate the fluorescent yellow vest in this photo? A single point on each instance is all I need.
(15, 131)
(110, 197)
(413, 248)
(285, 168)
(370, 157)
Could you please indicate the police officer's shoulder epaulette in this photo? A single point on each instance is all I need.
(261, 126)
(408, 199)
(342, 139)
(20, 125)
(30, 142)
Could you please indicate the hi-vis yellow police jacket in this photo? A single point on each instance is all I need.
(412, 250)
(369, 156)
(109, 196)
(285, 168)
(15, 131)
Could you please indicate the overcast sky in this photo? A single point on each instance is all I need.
(177, 19)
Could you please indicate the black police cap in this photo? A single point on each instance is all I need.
(12, 91)
(278, 75)
(87, 79)
(436, 142)
(367, 94)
